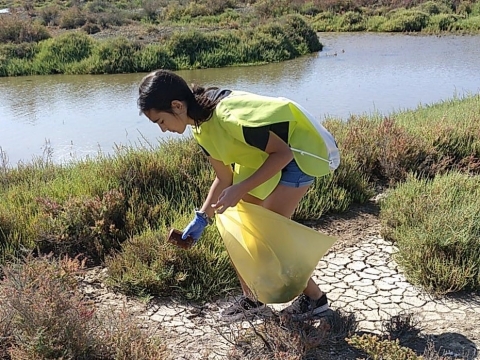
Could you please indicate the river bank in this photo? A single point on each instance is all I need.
(78, 53)
(137, 39)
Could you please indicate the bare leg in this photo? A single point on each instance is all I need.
(283, 200)
(312, 290)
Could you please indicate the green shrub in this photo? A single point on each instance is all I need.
(271, 8)
(376, 348)
(17, 30)
(335, 193)
(265, 47)
(55, 185)
(464, 8)
(219, 58)
(195, 9)
(172, 12)
(195, 49)
(50, 15)
(324, 21)
(220, 6)
(55, 54)
(148, 265)
(114, 56)
(17, 213)
(153, 57)
(434, 8)
(301, 34)
(113, 17)
(93, 226)
(98, 6)
(309, 8)
(272, 42)
(405, 20)
(44, 316)
(390, 155)
(351, 21)
(7, 224)
(90, 28)
(470, 24)
(67, 48)
(448, 131)
(151, 8)
(189, 44)
(72, 18)
(155, 182)
(436, 226)
(25, 51)
(280, 39)
(441, 22)
(475, 9)
(375, 23)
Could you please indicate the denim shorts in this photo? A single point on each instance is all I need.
(292, 176)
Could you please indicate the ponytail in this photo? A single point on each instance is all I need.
(202, 108)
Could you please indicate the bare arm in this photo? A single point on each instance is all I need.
(279, 155)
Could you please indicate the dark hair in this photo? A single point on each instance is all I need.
(159, 88)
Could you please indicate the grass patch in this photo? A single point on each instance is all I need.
(435, 224)
(148, 265)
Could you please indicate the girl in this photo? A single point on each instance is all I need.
(263, 150)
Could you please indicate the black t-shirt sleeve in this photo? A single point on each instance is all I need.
(259, 136)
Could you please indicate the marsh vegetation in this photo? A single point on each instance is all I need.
(115, 211)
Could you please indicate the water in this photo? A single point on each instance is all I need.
(76, 116)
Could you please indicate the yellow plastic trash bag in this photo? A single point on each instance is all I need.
(275, 256)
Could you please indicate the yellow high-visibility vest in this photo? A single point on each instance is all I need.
(313, 147)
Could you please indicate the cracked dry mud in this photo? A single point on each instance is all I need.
(358, 274)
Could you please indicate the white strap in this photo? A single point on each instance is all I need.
(310, 154)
